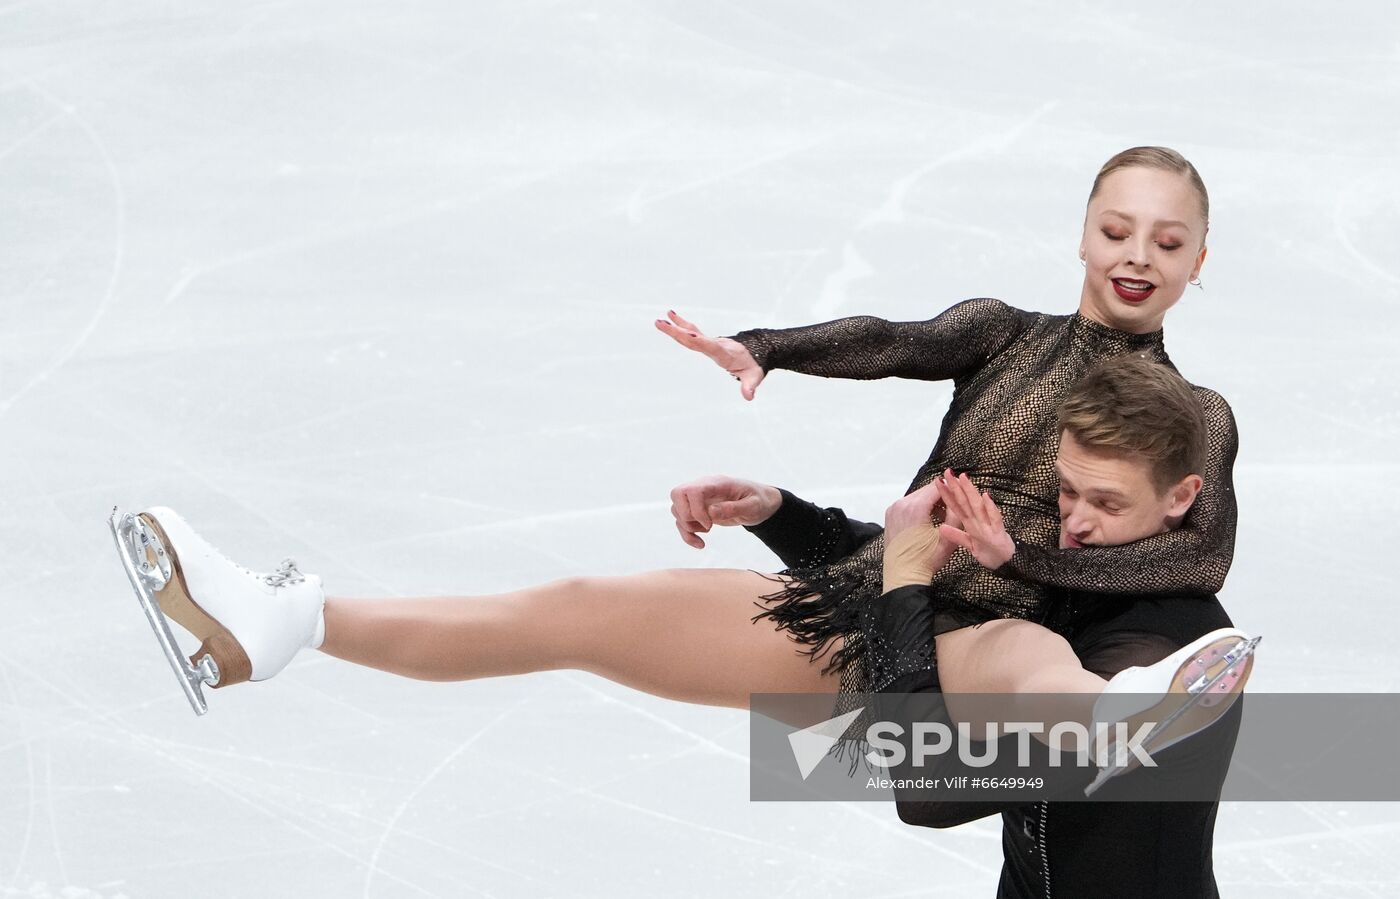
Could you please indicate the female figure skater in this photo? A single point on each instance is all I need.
(687, 634)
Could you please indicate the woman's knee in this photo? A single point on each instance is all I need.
(642, 583)
(571, 586)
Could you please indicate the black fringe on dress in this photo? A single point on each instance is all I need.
(816, 607)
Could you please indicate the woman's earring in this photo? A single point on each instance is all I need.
(1196, 281)
(1084, 262)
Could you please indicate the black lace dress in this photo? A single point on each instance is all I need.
(1010, 369)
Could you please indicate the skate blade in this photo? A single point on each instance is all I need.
(135, 554)
(1202, 691)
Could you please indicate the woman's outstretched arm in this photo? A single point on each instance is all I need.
(954, 343)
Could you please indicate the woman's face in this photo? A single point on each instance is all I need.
(1144, 239)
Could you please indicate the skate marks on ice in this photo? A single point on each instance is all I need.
(69, 112)
(1360, 212)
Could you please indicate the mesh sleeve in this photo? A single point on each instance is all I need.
(1193, 558)
(951, 344)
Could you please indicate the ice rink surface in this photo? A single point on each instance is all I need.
(372, 284)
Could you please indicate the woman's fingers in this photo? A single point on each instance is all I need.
(955, 537)
(979, 503)
(988, 540)
(976, 512)
(976, 500)
(959, 497)
(954, 499)
(678, 335)
(686, 337)
(990, 513)
(689, 339)
(996, 515)
(671, 314)
(685, 332)
(714, 350)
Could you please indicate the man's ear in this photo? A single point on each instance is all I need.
(1184, 494)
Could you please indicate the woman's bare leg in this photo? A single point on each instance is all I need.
(1036, 667)
(681, 633)
(1011, 656)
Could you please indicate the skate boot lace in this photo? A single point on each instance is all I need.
(285, 574)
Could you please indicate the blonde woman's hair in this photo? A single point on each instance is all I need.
(1163, 158)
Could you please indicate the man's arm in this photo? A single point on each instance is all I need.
(805, 535)
(897, 630)
(903, 617)
(801, 533)
(898, 634)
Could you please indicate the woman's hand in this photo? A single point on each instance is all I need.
(730, 355)
(979, 530)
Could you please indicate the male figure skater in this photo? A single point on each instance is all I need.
(1081, 849)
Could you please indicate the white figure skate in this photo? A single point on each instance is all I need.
(1182, 695)
(251, 624)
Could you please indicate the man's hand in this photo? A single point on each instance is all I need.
(703, 503)
(913, 550)
(980, 530)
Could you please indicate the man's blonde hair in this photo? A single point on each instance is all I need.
(1134, 406)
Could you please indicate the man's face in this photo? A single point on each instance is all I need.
(1108, 498)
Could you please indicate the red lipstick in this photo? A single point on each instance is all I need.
(1130, 294)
